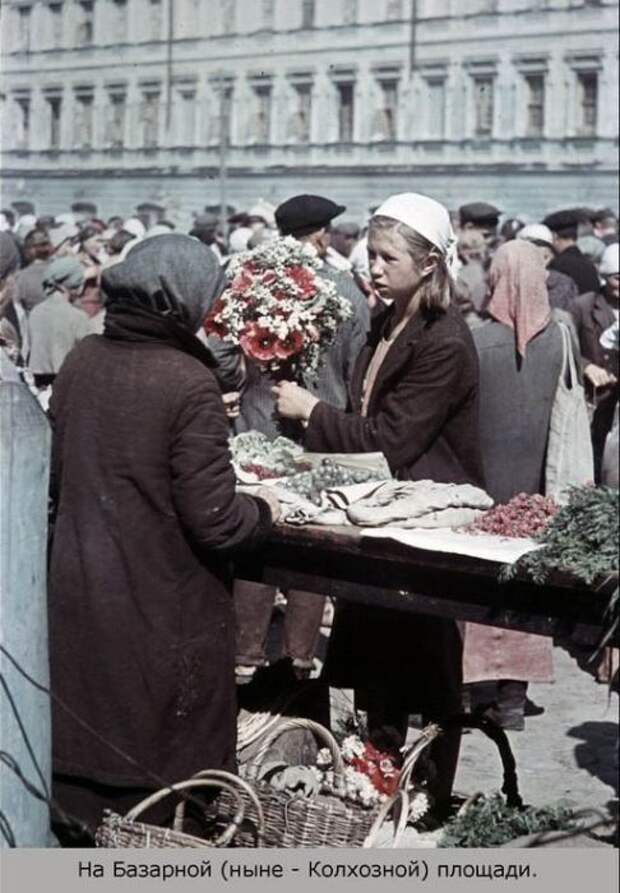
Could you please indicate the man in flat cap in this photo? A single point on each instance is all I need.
(569, 259)
(307, 218)
(605, 225)
(205, 229)
(344, 236)
(482, 217)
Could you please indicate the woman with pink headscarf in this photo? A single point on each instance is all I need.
(520, 353)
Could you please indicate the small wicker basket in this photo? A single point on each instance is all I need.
(118, 831)
(324, 820)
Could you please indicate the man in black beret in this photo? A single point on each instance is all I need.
(307, 218)
(480, 216)
(84, 210)
(569, 259)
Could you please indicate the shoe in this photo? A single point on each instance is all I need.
(532, 709)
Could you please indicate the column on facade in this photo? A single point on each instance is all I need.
(505, 100)
(364, 103)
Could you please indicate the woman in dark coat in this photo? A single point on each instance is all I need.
(140, 611)
(415, 398)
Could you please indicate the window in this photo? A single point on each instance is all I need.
(388, 110)
(119, 32)
(85, 28)
(268, 14)
(302, 119)
(345, 112)
(155, 20)
(483, 106)
(24, 19)
(56, 22)
(118, 112)
(83, 122)
(188, 117)
(349, 12)
(307, 13)
(22, 140)
(535, 84)
(228, 16)
(436, 90)
(394, 10)
(262, 131)
(588, 102)
(149, 116)
(55, 113)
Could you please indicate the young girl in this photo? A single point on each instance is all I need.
(415, 398)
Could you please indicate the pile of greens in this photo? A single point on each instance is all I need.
(582, 538)
(489, 822)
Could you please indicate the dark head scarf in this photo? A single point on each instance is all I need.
(9, 256)
(172, 275)
(162, 292)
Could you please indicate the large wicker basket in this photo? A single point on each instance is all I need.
(126, 831)
(324, 820)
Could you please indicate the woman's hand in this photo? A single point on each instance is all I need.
(598, 376)
(231, 404)
(294, 402)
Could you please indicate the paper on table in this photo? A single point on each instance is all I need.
(487, 546)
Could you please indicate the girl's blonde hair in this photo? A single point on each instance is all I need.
(436, 291)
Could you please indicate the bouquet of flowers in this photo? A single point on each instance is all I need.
(371, 776)
(277, 309)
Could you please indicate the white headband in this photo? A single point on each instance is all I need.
(428, 218)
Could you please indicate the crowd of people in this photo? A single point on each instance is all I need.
(448, 365)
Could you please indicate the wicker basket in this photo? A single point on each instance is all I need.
(118, 831)
(325, 820)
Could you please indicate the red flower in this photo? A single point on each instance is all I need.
(289, 346)
(268, 278)
(304, 279)
(242, 281)
(212, 325)
(259, 344)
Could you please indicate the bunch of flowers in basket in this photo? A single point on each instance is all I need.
(370, 777)
(277, 309)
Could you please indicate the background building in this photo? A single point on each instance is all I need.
(122, 101)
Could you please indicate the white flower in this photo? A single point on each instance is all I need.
(419, 807)
(324, 757)
(352, 747)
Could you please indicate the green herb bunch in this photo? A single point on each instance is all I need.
(582, 538)
(489, 822)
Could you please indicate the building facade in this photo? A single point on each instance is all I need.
(121, 101)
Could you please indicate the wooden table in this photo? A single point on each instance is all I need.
(338, 562)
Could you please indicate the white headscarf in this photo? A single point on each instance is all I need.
(135, 227)
(428, 218)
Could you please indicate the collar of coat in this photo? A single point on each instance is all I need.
(397, 356)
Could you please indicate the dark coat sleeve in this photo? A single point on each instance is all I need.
(411, 415)
(203, 480)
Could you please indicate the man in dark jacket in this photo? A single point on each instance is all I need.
(306, 218)
(569, 259)
(141, 618)
(594, 312)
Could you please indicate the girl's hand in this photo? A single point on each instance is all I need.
(294, 402)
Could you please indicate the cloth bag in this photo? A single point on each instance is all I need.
(570, 460)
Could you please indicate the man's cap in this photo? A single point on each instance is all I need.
(537, 233)
(564, 221)
(216, 209)
(305, 213)
(480, 213)
(22, 207)
(604, 214)
(150, 206)
(84, 208)
(204, 222)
